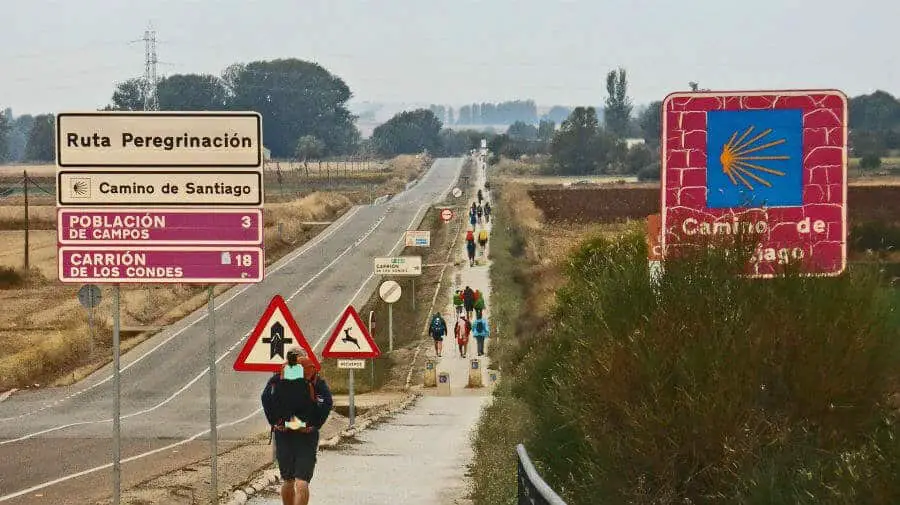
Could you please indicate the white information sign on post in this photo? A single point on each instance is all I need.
(159, 139)
(351, 364)
(418, 238)
(399, 265)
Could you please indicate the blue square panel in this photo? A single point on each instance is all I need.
(754, 158)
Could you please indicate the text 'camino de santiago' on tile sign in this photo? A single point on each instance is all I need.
(139, 167)
(772, 163)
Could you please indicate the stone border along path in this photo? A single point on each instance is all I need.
(421, 455)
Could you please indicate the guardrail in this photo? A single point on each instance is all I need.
(532, 488)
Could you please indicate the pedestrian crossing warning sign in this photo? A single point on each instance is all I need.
(350, 339)
(275, 333)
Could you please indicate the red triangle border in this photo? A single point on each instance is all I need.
(350, 312)
(277, 302)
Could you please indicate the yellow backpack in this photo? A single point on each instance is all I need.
(482, 236)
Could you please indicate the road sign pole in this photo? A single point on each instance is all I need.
(91, 330)
(390, 327)
(372, 332)
(413, 297)
(352, 405)
(117, 448)
(213, 432)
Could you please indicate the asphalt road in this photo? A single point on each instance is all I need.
(51, 438)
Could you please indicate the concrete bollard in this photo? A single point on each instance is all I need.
(443, 388)
(475, 378)
(430, 374)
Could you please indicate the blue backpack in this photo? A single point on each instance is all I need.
(437, 326)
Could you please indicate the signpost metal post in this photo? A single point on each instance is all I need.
(390, 292)
(89, 297)
(213, 432)
(160, 198)
(351, 399)
(117, 389)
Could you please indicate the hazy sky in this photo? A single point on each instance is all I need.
(65, 54)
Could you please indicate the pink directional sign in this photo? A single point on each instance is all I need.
(158, 265)
(159, 227)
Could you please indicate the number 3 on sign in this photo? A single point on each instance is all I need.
(243, 260)
(245, 222)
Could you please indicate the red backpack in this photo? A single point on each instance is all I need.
(470, 236)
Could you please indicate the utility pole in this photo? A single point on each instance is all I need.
(25, 191)
(151, 100)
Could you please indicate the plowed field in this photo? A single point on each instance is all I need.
(612, 204)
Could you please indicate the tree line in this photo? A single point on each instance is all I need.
(503, 113)
(305, 116)
(585, 145)
(303, 105)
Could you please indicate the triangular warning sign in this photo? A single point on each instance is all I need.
(275, 333)
(350, 339)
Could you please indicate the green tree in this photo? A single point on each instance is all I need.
(409, 132)
(5, 128)
(618, 105)
(879, 111)
(41, 144)
(650, 122)
(128, 95)
(574, 146)
(295, 98)
(18, 136)
(521, 130)
(309, 147)
(192, 92)
(870, 162)
(546, 129)
(557, 114)
(638, 158)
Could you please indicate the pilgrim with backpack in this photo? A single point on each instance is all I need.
(296, 402)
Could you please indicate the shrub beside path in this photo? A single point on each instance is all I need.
(422, 455)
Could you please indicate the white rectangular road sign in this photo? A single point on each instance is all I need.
(418, 238)
(399, 265)
(88, 188)
(353, 364)
(159, 139)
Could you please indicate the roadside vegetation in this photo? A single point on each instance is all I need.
(713, 390)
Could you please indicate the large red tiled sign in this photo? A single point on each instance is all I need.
(770, 162)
